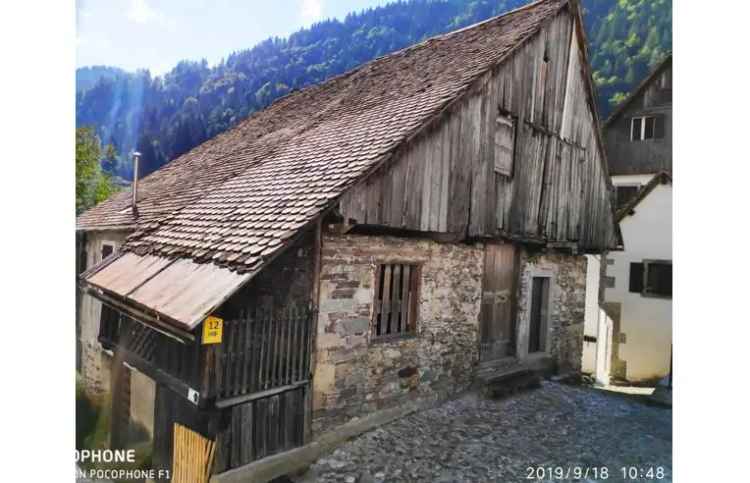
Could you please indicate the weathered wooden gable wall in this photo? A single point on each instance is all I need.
(647, 156)
(444, 181)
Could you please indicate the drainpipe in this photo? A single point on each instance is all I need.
(136, 159)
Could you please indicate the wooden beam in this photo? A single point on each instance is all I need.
(141, 316)
(176, 385)
(233, 401)
(380, 230)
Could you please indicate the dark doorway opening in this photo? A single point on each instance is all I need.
(538, 322)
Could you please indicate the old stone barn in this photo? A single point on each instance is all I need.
(383, 238)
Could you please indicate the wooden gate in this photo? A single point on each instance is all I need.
(262, 427)
(193, 456)
(497, 317)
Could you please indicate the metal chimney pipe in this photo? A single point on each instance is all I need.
(136, 159)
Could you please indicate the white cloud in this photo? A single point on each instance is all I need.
(141, 12)
(312, 10)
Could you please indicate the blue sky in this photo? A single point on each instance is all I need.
(156, 34)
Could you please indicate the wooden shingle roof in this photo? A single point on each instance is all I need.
(238, 198)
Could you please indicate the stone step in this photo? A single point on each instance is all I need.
(508, 386)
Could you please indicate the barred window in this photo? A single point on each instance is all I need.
(396, 300)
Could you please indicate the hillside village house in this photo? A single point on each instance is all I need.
(638, 281)
(375, 241)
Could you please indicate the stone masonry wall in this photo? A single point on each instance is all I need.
(354, 375)
(567, 305)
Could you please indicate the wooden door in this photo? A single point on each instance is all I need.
(497, 317)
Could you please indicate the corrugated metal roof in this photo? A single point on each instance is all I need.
(181, 291)
(127, 272)
(187, 291)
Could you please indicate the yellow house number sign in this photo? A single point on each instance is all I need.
(213, 329)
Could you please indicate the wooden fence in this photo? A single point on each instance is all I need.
(147, 346)
(262, 352)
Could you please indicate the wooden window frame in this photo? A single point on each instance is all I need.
(415, 282)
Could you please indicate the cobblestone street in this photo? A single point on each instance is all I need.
(472, 439)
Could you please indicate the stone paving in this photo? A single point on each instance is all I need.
(538, 435)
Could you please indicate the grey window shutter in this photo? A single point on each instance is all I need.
(636, 277)
(659, 126)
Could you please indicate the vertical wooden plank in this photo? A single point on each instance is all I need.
(302, 344)
(397, 175)
(273, 424)
(386, 308)
(237, 441)
(396, 299)
(436, 161)
(405, 298)
(245, 354)
(278, 323)
(476, 108)
(377, 309)
(444, 140)
(261, 428)
(246, 447)
(263, 351)
(414, 284)
(424, 223)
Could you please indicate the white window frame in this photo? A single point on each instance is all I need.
(642, 136)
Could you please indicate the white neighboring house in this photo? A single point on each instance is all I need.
(636, 330)
(639, 284)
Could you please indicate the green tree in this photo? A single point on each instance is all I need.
(93, 185)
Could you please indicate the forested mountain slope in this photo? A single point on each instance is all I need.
(163, 117)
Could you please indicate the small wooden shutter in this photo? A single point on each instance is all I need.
(659, 121)
(505, 137)
(659, 279)
(636, 277)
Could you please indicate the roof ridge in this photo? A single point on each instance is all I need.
(635, 91)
